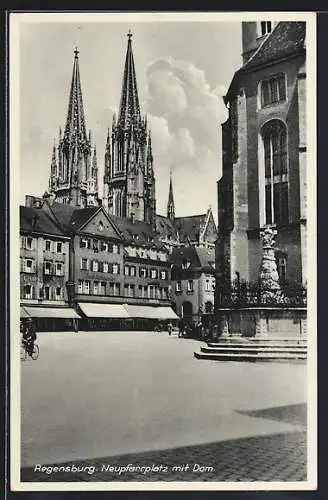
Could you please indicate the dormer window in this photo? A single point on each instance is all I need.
(266, 27)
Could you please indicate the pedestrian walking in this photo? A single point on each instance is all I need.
(169, 327)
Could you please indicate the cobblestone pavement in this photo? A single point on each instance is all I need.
(278, 457)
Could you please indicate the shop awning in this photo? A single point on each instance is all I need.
(149, 312)
(51, 312)
(92, 310)
(167, 313)
(23, 313)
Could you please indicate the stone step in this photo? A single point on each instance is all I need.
(247, 345)
(255, 350)
(250, 357)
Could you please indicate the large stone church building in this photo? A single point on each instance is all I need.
(264, 155)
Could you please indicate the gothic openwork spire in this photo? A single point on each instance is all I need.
(129, 105)
(75, 122)
(170, 203)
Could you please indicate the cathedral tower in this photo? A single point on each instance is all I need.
(74, 173)
(129, 181)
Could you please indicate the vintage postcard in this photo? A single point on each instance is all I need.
(162, 246)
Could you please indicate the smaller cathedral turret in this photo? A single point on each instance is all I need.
(170, 203)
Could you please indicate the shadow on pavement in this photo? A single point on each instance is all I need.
(292, 414)
(275, 457)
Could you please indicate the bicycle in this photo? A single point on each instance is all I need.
(24, 354)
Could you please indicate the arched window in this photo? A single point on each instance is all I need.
(276, 172)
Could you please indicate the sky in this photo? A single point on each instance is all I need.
(183, 70)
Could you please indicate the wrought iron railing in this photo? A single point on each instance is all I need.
(245, 294)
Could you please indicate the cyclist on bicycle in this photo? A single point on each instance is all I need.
(29, 336)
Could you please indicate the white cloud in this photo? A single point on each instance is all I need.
(185, 117)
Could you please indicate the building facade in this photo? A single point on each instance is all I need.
(44, 270)
(193, 282)
(264, 155)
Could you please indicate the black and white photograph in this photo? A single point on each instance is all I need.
(163, 251)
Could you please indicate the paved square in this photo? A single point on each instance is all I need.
(123, 395)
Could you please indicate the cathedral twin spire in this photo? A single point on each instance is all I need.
(129, 180)
(74, 174)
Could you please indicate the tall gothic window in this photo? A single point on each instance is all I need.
(276, 172)
(118, 203)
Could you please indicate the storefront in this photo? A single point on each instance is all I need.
(117, 317)
(109, 317)
(50, 319)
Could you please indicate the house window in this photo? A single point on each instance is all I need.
(80, 287)
(48, 245)
(213, 285)
(28, 267)
(28, 291)
(190, 287)
(46, 293)
(266, 27)
(84, 243)
(116, 269)
(178, 286)
(133, 251)
(126, 270)
(59, 269)
(104, 246)
(282, 269)
(47, 268)
(95, 266)
(273, 90)
(143, 272)
(276, 173)
(84, 264)
(115, 249)
(165, 293)
(29, 243)
(105, 267)
(86, 287)
(103, 288)
(151, 292)
(114, 289)
(58, 293)
(95, 287)
(59, 247)
(163, 275)
(207, 286)
(153, 273)
(132, 271)
(152, 254)
(95, 247)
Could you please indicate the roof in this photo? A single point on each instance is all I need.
(286, 39)
(72, 217)
(165, 227)
(199, 258)
(189, 228)
(206, 257)
(137, 232)
(37, 221)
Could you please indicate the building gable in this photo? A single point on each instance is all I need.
(100, 225)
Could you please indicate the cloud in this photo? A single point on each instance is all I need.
(185, 116)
